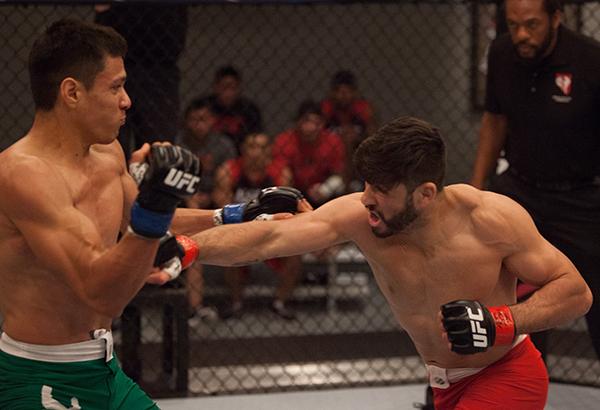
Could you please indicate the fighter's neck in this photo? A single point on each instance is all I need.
(428, 229)
(58, 138)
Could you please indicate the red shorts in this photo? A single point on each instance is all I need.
(518, 381)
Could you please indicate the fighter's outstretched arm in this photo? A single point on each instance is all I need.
(250, 242)
(189, 221)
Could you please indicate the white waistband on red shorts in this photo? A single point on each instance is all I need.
(442, 378)
(100, 347)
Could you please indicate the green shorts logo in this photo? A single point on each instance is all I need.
(51, 403)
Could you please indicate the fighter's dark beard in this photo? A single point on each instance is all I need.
(399, 222)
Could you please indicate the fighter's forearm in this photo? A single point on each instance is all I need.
(237, 245)
(191, 221)
(118, 274)
(559, 301)
(244, 243)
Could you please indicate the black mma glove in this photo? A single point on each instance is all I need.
(171, 174)
(270, 201)
(175, 253)
(472, 327)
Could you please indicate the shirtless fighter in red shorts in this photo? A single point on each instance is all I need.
(447, 259)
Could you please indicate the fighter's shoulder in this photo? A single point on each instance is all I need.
(495, 217)
(20, 165)
(27, 180)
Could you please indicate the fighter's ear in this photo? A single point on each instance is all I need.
(70, 91)
(424, 194)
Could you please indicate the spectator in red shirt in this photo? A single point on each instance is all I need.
(350, 116)
(316, 156)
(240, 180)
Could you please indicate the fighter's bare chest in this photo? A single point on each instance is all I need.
(462, 269)
(98, 195)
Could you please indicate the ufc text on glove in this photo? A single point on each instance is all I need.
(472, 327)
(173, 173)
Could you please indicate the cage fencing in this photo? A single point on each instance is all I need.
(421, 58)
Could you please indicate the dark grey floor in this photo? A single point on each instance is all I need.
(561, 397)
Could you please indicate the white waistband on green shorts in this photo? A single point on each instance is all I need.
(100, 347)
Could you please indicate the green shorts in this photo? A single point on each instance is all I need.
(29, 384)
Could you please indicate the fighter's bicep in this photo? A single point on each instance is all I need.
(537, 263)
(61, 245)
(43, 212)
(59, 234)
(310, 231)
(531, 258)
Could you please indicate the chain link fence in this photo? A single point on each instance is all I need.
(425, 59)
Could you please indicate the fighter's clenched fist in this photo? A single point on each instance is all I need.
(171, 174)
(472, 328)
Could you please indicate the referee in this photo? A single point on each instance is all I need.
(542, 109)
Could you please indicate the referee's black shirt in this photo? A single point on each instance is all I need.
(553, 108)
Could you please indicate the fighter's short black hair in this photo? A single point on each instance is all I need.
(70, 48)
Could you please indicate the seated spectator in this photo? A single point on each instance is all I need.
(236, 116)
(316, 156)
(213, 149)
(350, 116)
(240, 180)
